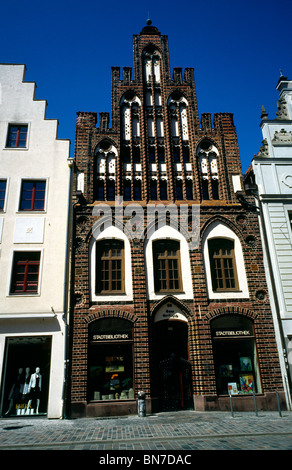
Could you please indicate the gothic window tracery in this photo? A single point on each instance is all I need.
(208, 169)
(106, 155)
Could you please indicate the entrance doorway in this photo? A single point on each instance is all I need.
(173, 370)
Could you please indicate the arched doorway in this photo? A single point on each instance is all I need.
(173, 384)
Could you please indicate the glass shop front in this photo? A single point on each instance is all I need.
(235, 356)
(26, 375)
(110, 360)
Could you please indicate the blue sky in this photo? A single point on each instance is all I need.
(237, 50)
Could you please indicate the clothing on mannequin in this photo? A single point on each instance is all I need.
(34, 390)
(16, 390)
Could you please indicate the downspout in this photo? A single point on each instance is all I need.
(67, 291)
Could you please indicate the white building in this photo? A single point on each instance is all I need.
(35, 180)
(272, 168)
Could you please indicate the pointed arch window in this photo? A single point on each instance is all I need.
(223, 265)
(167, 268)
(208, 167)
(109, 266)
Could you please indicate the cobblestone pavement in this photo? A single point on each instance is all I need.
(164, 433)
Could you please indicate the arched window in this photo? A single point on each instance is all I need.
(208, 168)
(109, 266)
(106, 155)
(167, 268)
(223, 265)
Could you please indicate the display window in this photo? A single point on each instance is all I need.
(110, 360)
(235, 356)
(26, 375)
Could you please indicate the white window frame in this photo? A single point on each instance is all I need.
(220, 230)
(32, 178)
(167, 232)
(22, 250)
(7, 179)
(111, 232)
(17, 123)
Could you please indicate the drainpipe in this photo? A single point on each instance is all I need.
(258, 208)
(66, 290)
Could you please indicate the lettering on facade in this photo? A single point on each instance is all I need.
(221, 333)
(111, 337)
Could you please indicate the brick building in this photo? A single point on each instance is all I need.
(170, 296)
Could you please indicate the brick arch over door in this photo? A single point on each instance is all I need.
(111, 313)
(231, 311)
(171, 299)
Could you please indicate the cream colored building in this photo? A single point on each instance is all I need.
(35, 181)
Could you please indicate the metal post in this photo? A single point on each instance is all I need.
(255, 403)
(231, 407)
(278, 402)
(141, 404)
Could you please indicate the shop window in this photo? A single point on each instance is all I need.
(235, 356)
(32, 197)
(2, 194)
(17, 136)
(166, 264)
(26, 374)
(25, 272)
(109, 266)
(223, 267)
(110, 359)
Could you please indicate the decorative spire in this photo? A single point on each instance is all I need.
(264, 114)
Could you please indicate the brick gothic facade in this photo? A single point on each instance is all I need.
(150, 311)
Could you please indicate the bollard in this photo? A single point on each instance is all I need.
(255, 403)
(231, 407)
(278, 402)
(141, 404)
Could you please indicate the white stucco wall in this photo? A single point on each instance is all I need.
(45, 157)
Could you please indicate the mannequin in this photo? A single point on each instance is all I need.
(34, 389)
(26, 382)
(16, 390)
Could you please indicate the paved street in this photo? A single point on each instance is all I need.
(164, 433)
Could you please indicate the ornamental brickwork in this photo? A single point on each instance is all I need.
(159, 152)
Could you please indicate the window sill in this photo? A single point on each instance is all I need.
(170, 292)
(227, 291)
(110, 400)
(15, 148)
(109, 293)
(24, 294)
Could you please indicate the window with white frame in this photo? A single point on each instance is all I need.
(110, 265)
(224, 263)
(17, 136)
